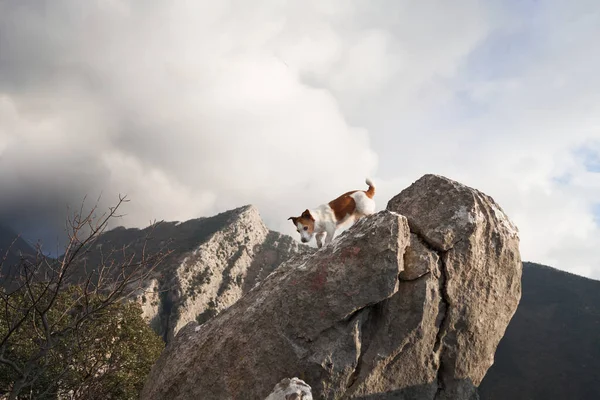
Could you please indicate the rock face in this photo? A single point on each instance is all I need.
(149, 299)
(212, 276)
(291, 389)
(409, 303)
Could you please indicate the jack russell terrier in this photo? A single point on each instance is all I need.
(325, 219)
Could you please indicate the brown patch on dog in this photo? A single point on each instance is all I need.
(306, 219)
(343, 205)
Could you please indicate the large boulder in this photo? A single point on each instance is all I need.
(383, 312)
(481, 270)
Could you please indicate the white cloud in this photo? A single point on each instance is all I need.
(196, 107)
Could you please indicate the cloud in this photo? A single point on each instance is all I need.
(192, 108)
(186, 108)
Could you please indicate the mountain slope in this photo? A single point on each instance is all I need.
(551, 349)
(11, 247)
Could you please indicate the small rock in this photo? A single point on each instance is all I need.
(291, 389)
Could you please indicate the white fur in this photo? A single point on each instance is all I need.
(326, 223)
(364, 205)
(304, 235)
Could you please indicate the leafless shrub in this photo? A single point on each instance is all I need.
(49, 301)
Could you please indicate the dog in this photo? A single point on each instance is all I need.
(324, 220)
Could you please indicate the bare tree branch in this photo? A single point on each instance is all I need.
(29, 302)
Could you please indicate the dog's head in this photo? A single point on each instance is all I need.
(305, 225)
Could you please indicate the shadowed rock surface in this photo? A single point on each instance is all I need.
(383, 312)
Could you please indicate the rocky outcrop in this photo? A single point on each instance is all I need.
(228, 263)
(210, 278)
(291, 389)
(408, 303)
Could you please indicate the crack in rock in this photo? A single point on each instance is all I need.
(367, 332)
(439, 340)
(444, 306)
(418, 278)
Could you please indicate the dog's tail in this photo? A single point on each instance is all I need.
(371, 192)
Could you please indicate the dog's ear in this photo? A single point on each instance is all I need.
(306, 214)
(294, 219)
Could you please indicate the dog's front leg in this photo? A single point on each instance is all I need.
(329, 237)
(319, 237)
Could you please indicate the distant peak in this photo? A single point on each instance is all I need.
(247, 210)
(247, 207)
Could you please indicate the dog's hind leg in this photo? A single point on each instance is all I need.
(329, 237)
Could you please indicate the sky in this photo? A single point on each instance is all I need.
(191, 108)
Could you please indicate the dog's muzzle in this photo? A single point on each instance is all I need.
(304, 240)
